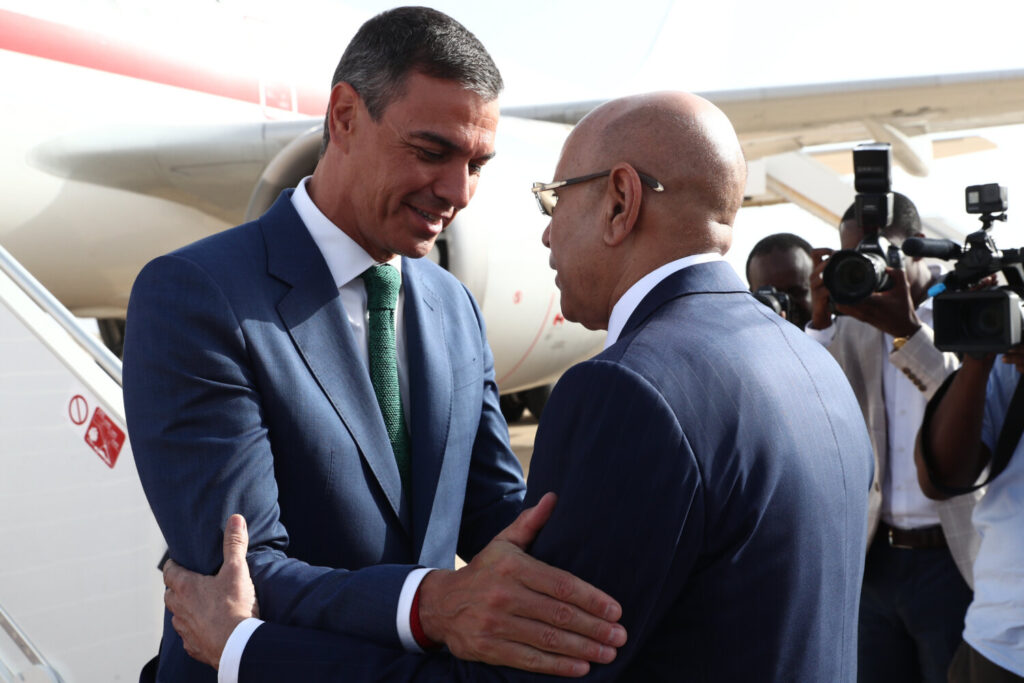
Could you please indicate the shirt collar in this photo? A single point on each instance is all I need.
(628, 302)
(345, 258)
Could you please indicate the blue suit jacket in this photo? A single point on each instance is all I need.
(244, 393)
(713, 470)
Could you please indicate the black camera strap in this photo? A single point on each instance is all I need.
(1009, 436)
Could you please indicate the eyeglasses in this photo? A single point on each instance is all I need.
(547, 199)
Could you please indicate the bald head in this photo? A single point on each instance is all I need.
(607, 233)
(685, 142)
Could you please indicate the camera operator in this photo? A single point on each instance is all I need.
(914, 597)
(962, 435)
(783, 261)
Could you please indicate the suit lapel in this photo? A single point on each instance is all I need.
(430, 386)
(702, 278)
(318, 326)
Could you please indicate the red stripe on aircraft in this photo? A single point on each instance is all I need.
(49, 40)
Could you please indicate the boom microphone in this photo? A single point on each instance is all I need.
(932, 248)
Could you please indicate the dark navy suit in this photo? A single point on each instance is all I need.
(244, 392)
(713, 471)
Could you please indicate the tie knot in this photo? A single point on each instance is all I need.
(382, 284)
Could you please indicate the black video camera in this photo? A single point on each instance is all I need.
(853, 274)
(775, 300)
(981, 321)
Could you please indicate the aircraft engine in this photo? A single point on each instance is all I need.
(293, 163)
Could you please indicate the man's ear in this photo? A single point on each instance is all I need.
(623, 196)
(344, 108)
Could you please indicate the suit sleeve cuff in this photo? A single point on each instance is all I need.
(231, 657)
(925, 365)
(409, 588)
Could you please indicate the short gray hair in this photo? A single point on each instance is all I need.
(391, 45)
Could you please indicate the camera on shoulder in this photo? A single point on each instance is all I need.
(852, 275)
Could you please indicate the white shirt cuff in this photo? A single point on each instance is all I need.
(231, 657)
(823, 337)
(409, 588)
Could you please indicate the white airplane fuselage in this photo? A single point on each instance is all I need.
(114, 154)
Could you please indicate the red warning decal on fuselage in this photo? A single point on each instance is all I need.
(78, 409)
(104, 437)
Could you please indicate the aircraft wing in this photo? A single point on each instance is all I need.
(790, 118)
(215, 168)
(780, 126)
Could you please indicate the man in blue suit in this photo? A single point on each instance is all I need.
(711, 465)
(247, 386)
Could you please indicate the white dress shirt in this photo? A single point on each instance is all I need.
(628, 302)
(347, 261)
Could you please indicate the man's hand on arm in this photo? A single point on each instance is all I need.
(207, 609)
(504, 608)
(507, 608)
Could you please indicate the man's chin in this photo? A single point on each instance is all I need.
(419, 249)
(597, 323)
(569, 314)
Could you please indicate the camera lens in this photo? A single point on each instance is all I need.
(985, 321)
(851, 277)
(774, 299)
(855, 275)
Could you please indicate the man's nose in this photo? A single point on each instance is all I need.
(456, 185)
(545, 237)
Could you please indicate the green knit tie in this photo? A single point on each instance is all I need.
(382, 284)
